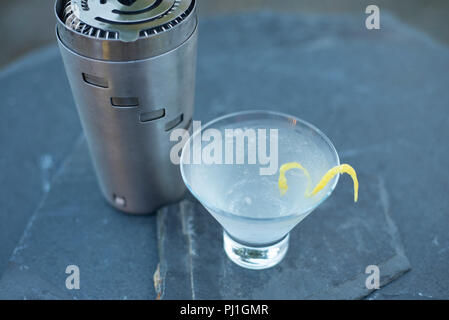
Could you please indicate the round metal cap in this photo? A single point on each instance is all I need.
(125, 21)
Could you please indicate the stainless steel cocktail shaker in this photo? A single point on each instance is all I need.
(131, 66)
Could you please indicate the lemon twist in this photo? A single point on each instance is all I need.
(344, 168)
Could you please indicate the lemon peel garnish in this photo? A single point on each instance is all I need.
(343, 168)
(283, 187)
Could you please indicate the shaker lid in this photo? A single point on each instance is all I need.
(125, 20)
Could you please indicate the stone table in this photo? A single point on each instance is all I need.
(380, 95)
(38, 127)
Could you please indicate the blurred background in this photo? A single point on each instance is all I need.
(29, 24)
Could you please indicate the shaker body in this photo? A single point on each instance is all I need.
(128, 110)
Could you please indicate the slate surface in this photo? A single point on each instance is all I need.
(382, 98)
(38, 126)
(116, 253)
(380, 95)
(328, 254)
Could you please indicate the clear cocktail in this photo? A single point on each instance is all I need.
(244, 196)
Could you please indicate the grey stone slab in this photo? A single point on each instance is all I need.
(116, 253)
(328, 254)
(38, 126)
(382, 98)
(175, 252)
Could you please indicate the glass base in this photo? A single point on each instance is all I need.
(256, 258)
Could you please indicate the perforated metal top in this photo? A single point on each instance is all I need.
(125, 20)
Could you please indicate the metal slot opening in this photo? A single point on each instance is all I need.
(95, 81)
(188, 124)
(152, 115)
(173, 123)
(125, 102)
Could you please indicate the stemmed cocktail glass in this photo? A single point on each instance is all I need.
(244, 196)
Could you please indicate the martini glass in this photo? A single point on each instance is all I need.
(255, 217)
